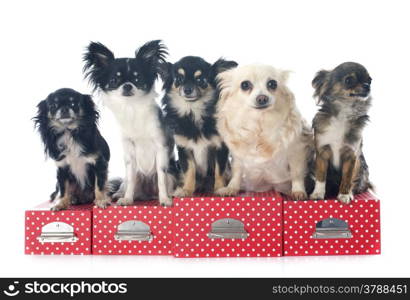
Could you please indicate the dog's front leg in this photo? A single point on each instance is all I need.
(187, 163)
(297, 157)
(323, 156)
(100, 188)
(65, 191)
(221, 164)
(131, 173)
(234, 184)
(349, 164)
(162, 163)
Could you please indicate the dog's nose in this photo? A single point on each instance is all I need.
(366, 86)
(64, 110)
(262, 100)
(188, 90)
(127, 87)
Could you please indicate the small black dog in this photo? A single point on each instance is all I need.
(189, 105)
(344, 97)
(67, 122)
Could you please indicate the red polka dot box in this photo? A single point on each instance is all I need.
(54, 233)
(142, 229)
(328, 227)
(248, 225)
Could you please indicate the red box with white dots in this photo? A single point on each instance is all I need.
(65, 232)
(142, 229)
(328, 227)
(248, 225)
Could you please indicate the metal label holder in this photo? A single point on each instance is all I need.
(57, 232)
(133, 231)
(227, 229)
(332, 228)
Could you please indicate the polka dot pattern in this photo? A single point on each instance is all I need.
(261, 214)
(362, 217)
(106, 222)
(79, 217)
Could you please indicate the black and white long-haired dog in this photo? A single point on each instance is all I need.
(67, 122)
(189, 105)
(127, 89)
(344, 99)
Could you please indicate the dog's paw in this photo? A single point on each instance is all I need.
(298, 195)
(317, 195)
(345, 198)
(165, 201)
(227, 191)
(125, 201)
(102, 203)
(118, 195)
(60, 206)
(180, 193)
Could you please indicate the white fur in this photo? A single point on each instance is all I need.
(185, 107)
(334, 134)
(74, 158)
(143, 140)
(268, 149)
(319, 191)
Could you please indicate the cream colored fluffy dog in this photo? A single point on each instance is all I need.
(268, 139)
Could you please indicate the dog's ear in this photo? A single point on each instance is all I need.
(165, 72)
(284, 76)
(41, 123)
(96, 58)
(41, 116)
(319, 83)
(224, 84)
(152, 53)
(219, 66)
(89, 110)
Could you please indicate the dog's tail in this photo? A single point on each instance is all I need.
(371, 187)
(114, 186)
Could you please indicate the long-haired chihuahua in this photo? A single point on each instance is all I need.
(265, 133)
(189, 105)
(127, 89)
(67, 122)
(344, 98)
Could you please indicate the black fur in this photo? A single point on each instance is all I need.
(101, 67)
(82, 129)
(186, 124)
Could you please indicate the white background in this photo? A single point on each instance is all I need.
(41, 47)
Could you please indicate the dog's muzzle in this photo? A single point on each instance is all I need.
(262, 101)
(127, 89)
(190, 93)
(65, 115)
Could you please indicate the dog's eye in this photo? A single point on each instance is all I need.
(246, 85)
(178, 80)
(113, 81)
(349, 81)
(272, 84)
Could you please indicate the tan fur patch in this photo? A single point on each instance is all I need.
(322, 162)
(349, 162)
(197, 73)
(219, 178)
(181, 71)
(189, 177)
(99, 194)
